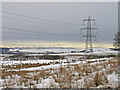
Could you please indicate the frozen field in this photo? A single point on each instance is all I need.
(70, 72)
(100, 73)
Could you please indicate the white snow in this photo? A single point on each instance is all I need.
(71, 59)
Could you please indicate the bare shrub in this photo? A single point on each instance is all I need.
(100, 79)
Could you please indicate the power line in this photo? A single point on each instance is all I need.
(46, 9)
(11, 33)
(43, 20)
(103, 32)
(6, 17)
(36, 18)
(37, 32)
(58, 34)
(43, 9)
(104, 39)
(100, 35)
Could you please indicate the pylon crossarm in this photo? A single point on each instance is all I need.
(93, 36)
(89, 20)
(84, 28)
(94, 28)
(84, 36)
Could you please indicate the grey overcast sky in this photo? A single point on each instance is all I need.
(68, 19)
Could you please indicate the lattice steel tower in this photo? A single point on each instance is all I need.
(89, 25)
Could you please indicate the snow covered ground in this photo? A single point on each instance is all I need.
(66, 51)
(71, 72)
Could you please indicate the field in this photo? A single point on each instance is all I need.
(71, 72)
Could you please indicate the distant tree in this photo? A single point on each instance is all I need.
(117, 41)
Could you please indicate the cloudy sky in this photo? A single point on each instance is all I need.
(57, 22)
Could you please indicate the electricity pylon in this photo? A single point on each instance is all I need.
(89, 25)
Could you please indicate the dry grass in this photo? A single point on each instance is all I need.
(27, 65)
(91, 74)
